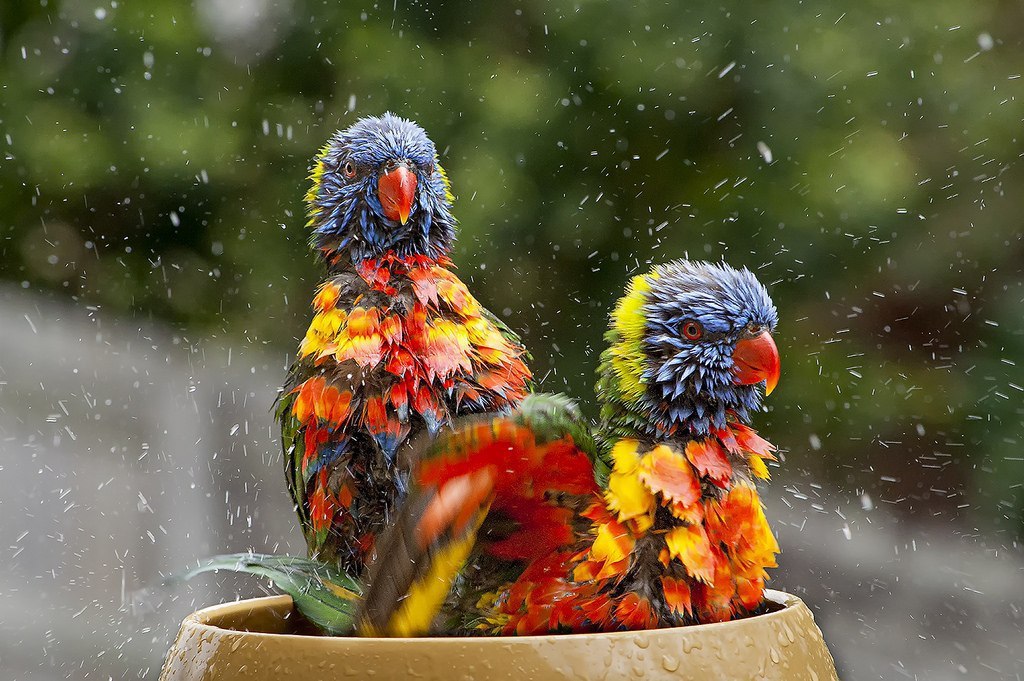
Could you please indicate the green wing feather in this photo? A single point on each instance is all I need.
(294, 447)
(321, 592)
(554, 416)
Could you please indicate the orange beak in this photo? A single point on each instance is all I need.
(397, 191)
(757, 359)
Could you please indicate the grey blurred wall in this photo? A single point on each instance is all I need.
(126, 453)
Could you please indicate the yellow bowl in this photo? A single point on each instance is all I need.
(264, 639)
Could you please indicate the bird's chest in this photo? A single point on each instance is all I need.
(405, 331)
(395, 338)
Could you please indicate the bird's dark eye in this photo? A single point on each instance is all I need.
(692, 330)
(348, 169)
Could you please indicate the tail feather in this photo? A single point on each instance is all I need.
(420, 556)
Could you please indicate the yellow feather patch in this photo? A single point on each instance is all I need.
(628, 322)
(628, 314)
(322, 332)
(626, 494)
(490, 345)
(689, 543)
(448, 196)
(758, 467)
(316, 175)
(612, 545)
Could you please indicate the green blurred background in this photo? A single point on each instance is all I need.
(861, 157)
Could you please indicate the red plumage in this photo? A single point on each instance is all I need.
(393, 349)
(583, 566)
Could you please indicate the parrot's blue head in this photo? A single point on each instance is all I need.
(691, 343)
(377, 187)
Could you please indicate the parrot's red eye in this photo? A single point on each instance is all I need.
(348, 169)
(692, 330)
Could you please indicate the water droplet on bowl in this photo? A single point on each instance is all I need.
(689, 645)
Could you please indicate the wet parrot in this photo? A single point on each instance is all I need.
(539, 522)
(397, 348)
(397, 345)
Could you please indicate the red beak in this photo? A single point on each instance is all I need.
(757, 359)
(397, 191)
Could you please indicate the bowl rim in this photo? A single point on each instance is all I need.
(199, 620)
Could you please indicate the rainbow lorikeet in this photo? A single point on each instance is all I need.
(651, 518)
(397, 344)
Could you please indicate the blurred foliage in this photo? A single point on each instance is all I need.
(860, 157)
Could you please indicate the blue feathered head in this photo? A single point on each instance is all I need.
(690, 343)
(377, 187)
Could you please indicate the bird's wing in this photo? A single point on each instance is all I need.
(314, 406)
(500, 486)
(293, 449)
(508, 334)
